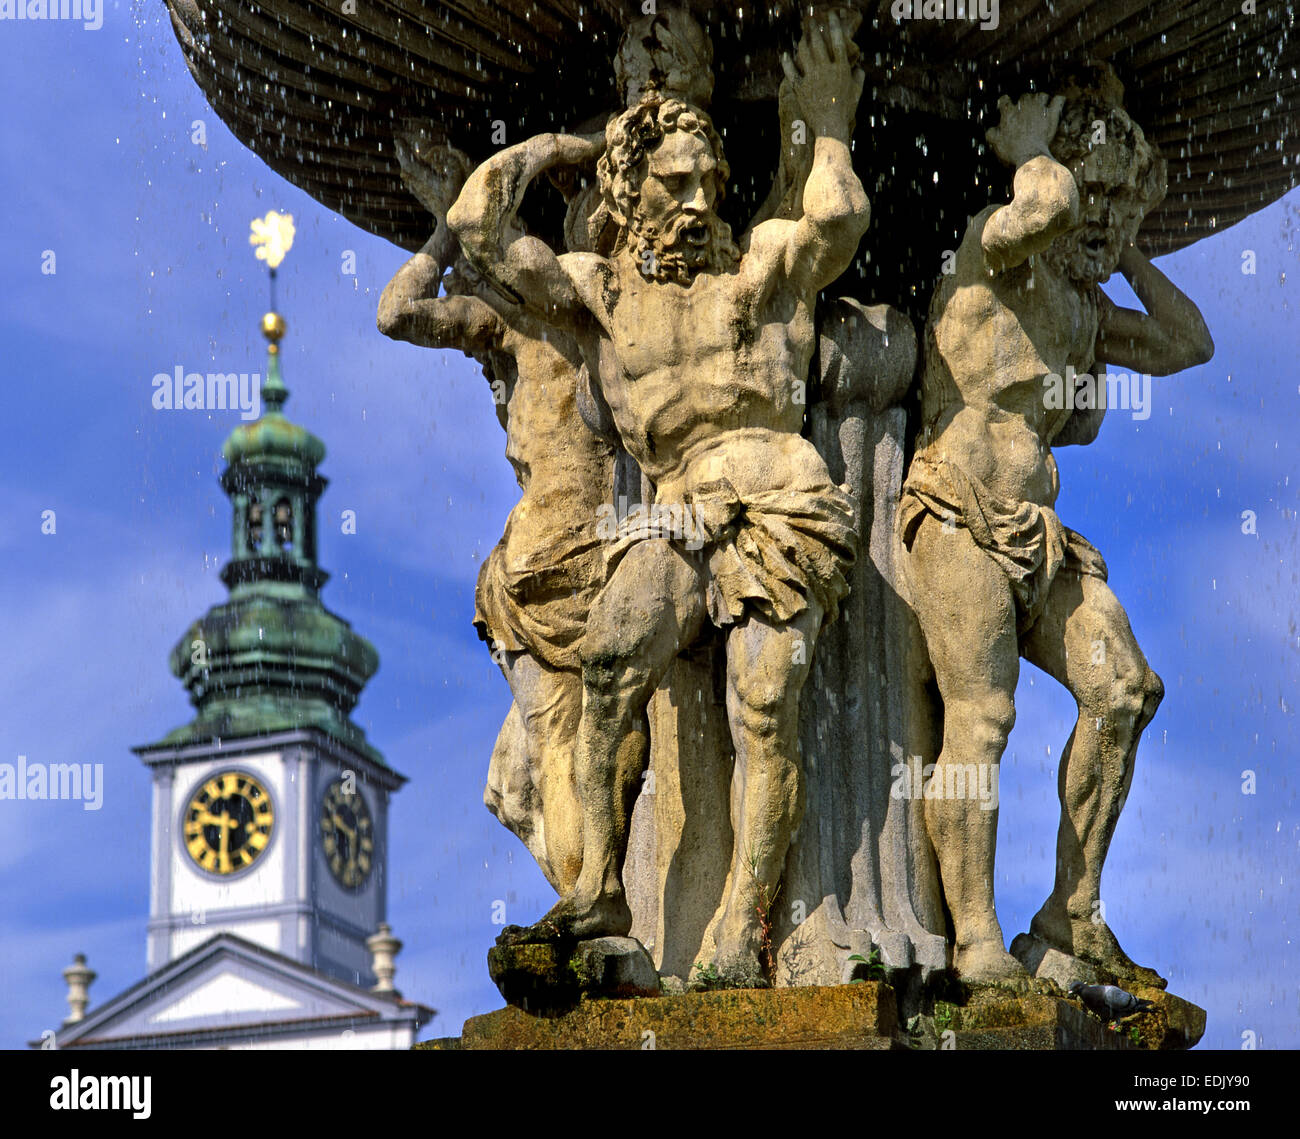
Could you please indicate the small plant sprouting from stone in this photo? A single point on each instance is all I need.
(943, 1014)
(875, 969)
(763, 908)
(706, 975)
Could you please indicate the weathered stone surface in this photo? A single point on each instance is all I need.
(615, 967)
(666, 649)
(860, 867)
(1042, 961)
(681, 831)
(440, 1044)
(868, 695)
(845, 1016)
(775, 847)
(994, 1018)
(696, 351)
(532, 976)
(857, 1016)
(1174, 1024)
(991, 571)
(549, 552)
(997, 1016)
(555, 975)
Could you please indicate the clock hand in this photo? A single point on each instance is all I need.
(223, 847)
(353, 852)
(209, 819)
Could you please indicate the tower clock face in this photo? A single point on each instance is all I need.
(228, 823)
(347, 835)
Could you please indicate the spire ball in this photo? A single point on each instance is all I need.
(273, 328)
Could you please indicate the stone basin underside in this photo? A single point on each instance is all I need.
(316, 94)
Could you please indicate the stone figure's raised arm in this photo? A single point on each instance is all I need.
(784, 201)
(1081, 427)
(836, 211)
(1170, 336)
(410, 308)
(485, 220)
(1045, 201)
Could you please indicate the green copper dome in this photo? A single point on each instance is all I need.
(273, 436)
(272, 657)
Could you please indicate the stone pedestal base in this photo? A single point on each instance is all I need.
(844, 1016)
(857, 1016)
(992, 1017)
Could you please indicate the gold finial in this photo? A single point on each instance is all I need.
(273, 327)
(273, 236)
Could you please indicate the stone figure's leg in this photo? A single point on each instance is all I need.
(767, 665)
(510, 793)
(1084, 640)
(550, 706)
(967, 613)
(652, 607)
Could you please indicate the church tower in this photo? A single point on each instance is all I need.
(270, 809)
(269, 889)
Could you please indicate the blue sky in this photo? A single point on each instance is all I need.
(154, 271)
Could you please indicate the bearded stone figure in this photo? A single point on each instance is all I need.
(700, 348)
(992, 573)
(659, 360)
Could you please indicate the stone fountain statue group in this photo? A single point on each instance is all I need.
(757, 719)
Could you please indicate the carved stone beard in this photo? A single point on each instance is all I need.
(686, 247)
(1075, 256)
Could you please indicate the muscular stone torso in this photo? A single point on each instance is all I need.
(564, 471)
(701, 380)
(990, 342)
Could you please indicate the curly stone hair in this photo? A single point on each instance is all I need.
(631, 136)
(1093, 93)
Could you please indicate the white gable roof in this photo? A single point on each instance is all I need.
(230, 987)
(226, 993)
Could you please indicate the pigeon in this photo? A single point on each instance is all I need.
(1109, 1002)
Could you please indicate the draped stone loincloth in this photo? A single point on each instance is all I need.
(1027, 541)
(771, 551)
(534, 596)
